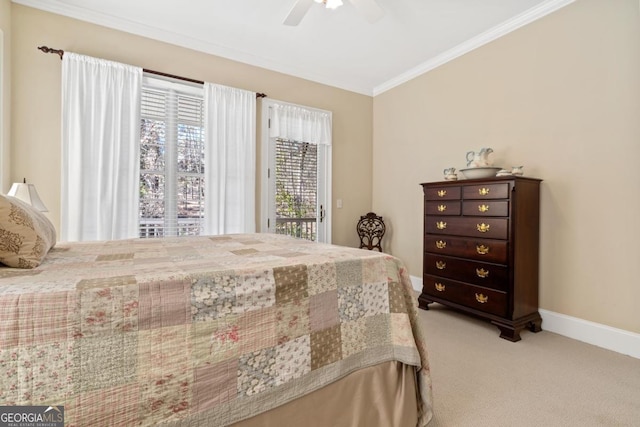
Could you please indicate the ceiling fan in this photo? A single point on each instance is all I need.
(368, 8)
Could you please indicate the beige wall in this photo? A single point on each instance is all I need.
(36, 104)
(5, 92)
(560, 96)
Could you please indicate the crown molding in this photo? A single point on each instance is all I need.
(494, 33)
(155, 33)
(159, 34)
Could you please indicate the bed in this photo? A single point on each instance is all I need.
(244, 330)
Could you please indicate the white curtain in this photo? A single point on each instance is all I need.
(230, 160)
(296, 123)
(100, 149)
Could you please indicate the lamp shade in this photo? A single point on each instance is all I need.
(27, 193)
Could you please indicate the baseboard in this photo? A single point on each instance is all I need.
(597, 334)
(600, 335)
(416, 282)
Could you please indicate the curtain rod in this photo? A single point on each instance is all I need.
(60, 52)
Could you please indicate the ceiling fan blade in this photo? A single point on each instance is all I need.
(369, 8)
(298, 11)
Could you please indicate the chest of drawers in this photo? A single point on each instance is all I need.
(481, 245)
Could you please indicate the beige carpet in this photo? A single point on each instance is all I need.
(545, 379)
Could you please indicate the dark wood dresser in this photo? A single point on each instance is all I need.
(481, 240)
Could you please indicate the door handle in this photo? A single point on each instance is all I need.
(321, 213)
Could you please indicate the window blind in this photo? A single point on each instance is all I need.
(171, 159)
(296, 179)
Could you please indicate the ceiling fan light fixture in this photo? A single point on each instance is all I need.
(330, 4)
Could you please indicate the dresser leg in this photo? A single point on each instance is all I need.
(511, 330)
(423, 302)
(508, 332)
(536, 325)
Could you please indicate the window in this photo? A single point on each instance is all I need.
(296, 178)
(172, 187)
(296, 165)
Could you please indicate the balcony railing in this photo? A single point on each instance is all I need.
(304, 228)
(155, 227)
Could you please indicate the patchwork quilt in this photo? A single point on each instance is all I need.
(200, 330)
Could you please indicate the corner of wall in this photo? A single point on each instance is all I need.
(5, 93)
(3, 167)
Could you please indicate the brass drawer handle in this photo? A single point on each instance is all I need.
(483, 191)
(442, 193)
(481, 272)
(441, 225)
(440, 287)
(442, 208)
(482, 299)
(441, 244)
(441, 265)
(483, 228)
(482, 249)
(483, 208)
